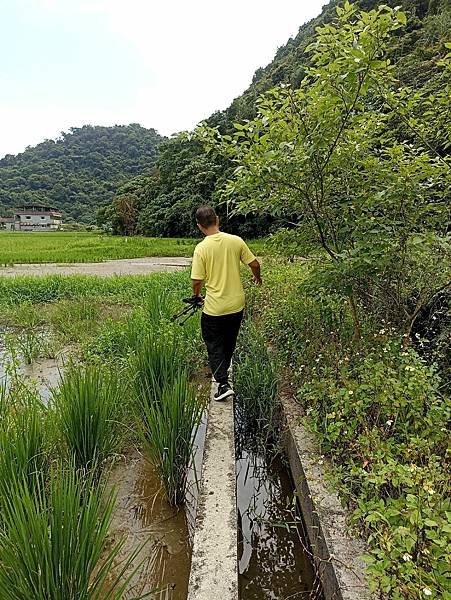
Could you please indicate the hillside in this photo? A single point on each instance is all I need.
(178, 185)
(415, 52)
(87, 167)
(79, 172)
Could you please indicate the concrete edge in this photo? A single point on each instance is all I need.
(336, 554)
(214, 563)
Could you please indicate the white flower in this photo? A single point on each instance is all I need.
(382, 331)
(350, 392)
(406, 557)
(389, 422)
(427, 592)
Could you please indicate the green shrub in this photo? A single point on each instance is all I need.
(384, 424)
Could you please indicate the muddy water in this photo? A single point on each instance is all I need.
(143, 516)
(43, 373)
(272, 553)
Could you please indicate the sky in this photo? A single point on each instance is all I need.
(166, 65)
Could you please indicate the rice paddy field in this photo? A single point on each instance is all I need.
(101, 399)
(60, 247)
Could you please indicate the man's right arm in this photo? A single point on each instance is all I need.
(255, 268)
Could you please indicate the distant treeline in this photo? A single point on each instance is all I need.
(113, 176)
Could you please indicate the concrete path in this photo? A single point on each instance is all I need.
(127, 266)
(214, 572)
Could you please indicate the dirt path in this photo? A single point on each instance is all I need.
(127, 266)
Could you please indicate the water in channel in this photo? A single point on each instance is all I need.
(273, 556)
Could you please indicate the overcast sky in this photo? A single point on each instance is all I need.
(165, 64)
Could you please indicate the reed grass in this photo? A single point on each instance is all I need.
(169, 425)
(155, 365)
(53, 540)
(88, 405)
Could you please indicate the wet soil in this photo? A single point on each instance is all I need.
(143, 516)
(43, 374)
(128, 266)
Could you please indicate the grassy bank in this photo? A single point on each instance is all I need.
(379, 408)
(59, 247)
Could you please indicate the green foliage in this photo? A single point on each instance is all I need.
(256, 384)
(170, 416)
(53, 541)
(380, 414)
(164, 203)
(23, 451)
(329, 157)
(78, 172)
(89, 405)
(385, 425)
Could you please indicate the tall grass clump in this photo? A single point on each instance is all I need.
(256, 382)
(167, 408)
(22, 447)
(88, 407)
(169, 425)
(53, 540)
(155, 364)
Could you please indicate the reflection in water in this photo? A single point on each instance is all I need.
(42, 374)
(273, 564)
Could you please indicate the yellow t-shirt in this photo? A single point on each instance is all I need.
(216, 261)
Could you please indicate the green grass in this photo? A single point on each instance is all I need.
(168, 425)
(58, 247)
(128, 289)
(21, 247)
(88, 405)
(53, 540)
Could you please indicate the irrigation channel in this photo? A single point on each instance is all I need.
(273, 551)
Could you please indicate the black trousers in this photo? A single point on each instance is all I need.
(220, 335)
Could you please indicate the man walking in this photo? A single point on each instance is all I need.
(216, 263)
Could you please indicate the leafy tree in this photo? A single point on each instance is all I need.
(329, 154)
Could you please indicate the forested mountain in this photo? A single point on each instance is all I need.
(92, 168)
(187, 175)
(80, 171)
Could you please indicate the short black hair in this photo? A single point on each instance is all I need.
(206, 216)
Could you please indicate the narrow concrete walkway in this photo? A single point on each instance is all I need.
(126, 266)
(214, 574)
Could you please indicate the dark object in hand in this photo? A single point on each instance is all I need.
(196, 301)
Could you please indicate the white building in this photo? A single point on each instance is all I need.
(34, 217)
